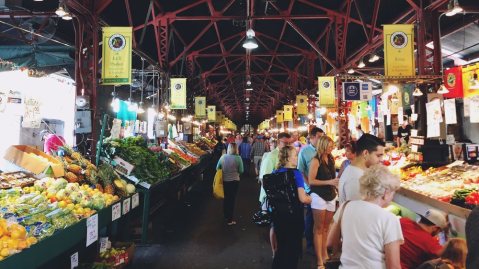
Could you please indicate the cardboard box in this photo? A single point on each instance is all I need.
(34, 160)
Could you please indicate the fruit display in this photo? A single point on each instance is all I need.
(77, 168)
(192, 148)
(15, 179)
(185, 156)
(205, 144)
(448, 184)
(14, 238)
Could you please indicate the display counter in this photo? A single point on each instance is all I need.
(419, 204)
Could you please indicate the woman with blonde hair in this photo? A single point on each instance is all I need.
(285, 190)
(452, 257)
(323, 184)
(371, 236)
(232, 167)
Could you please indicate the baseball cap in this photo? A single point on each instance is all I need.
(437, 217)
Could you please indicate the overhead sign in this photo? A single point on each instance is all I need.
(200, 107)
(407, 90)
(302, 104)
(279, 116)
(212, 113)
(116, 58)
(399, 50)
(351, 91)
(178, 93)
(288, 113)
(326, 89)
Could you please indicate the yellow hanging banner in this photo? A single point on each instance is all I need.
(469, 80)
(116, 58)
(288, 113)
(326, 89)
(279, 116)
(178, 93)
(399, 50)
(200, 107)
(302, 104)
(211, 113)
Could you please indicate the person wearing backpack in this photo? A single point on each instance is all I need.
(285, 191)
(323, 184)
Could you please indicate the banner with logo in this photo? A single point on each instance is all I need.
(302, 104)
(200, 107)
(366, 91)
(116, 55)
(407, 90)
(279, 116)
(288, 113)
(453, 82)
(326, 89)
(178, 93)
(399, 50)
(218, 116)
(211, 111)
(470, 80)
(351, 91)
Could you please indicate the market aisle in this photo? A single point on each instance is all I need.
(194, 235)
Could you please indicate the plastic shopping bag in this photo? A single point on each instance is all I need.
(218, 191)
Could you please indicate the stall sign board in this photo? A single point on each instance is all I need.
(417, 140)
(123, 167)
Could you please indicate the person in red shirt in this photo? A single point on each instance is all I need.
(420, 241)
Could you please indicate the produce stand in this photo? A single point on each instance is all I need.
(173, 183)
(61, 241)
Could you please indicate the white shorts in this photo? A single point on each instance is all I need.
(319, 203)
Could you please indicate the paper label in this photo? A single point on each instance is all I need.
(115, 211)
(135, 200)
(133, 179)
(91, 229)
(74, 260)
(413, 132)
(145, 185)
(414, 148)
(126, 206)
(103, 244)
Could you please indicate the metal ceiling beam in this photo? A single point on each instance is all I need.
(101, 5)
(192, 43)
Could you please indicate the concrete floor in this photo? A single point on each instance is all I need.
(192, 234)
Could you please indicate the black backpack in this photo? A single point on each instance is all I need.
(282, 193)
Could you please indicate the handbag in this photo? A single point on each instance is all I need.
(218, 191)
(334, 242)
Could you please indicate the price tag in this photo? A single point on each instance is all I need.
(413, 132)
(74, 260)
(126, 206)
(133, 179)
(135, 200)
(115, 211)
(103, 244)
(414, 148)
(91, 229)
(145, 185)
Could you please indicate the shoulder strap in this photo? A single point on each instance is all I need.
(341, 217)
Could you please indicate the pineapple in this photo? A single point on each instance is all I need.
(99, 187)
(109, 188)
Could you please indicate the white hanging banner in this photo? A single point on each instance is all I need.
(450, 111)
(473, 109)
(434, 113)
(400, 115)
(31, 115)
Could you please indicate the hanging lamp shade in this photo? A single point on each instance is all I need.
(417, 92)
(250, 43)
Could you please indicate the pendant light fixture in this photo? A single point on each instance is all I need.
(250, 42)
(361, 64)
(374, 57)
(442, 89)
(62, 11)
(350, 71)
(453, 8)
(417, 92)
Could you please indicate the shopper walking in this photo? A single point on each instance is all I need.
(287, 208)
(304, 161)
(452, 257)
(420, 238)
(371, 236)
(257, 150)
(245, 153)
(268, 165)
(369, 151)
(232, 167)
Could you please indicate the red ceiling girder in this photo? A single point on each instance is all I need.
(228, 88)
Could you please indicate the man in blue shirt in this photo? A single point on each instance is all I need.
(245, 153)
(304, 159)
